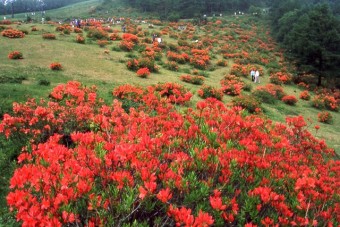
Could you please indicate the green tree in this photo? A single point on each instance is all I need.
(314, 41)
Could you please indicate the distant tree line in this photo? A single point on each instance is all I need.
(310, 33)
(193, 8)
(22, 6)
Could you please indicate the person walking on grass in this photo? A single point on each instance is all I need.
(252, 74)
(257, 76)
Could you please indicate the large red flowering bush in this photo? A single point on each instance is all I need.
(94, 164)
(232, 85)
(15, 55)
(12, 33)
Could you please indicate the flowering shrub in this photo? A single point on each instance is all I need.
(129, 91)
(175, 93)
(289, 99)
(77, 30)
(207, 91)
(12, 33)
(179, 58)
(248, 102)
(325, 117)
(222, 62)
(34, 29)
(15, 55)
(48, 36)
(193, 79)
(200, 58)
(209, 165)
(115, 36)
(126, 45)
(5, 22)
(132, 64)
(232, 85)
(280, 78)
(148, 63)
(80, 39)
(130, 37)
(305, 95)
(325, 101)
(97, 33)
(269, 93)
(143, 72)
(102, 43)
(171, 65)
(56, 66)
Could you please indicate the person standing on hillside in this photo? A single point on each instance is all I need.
(252, 74)
(257, 76)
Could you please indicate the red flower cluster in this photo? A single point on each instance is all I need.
(12, 33)
(207, 91)
(48, 36)
(289, 99)
(305, 95)
(179, 58)
(130, 37)
(197, 167)
(80, 39)
(15, 55)
(102, 43)
(56, 66)
(325, 101)
(200, 58)
(143, 72)
(325, 117)
(232, 85)
(126, 45)
(192, 79)
(280, 78)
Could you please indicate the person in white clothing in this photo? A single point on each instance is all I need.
(257, 76)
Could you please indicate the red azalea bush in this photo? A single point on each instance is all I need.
(200, 58)
(126, 45)
(247, 102)
(280, 78)
(115, 36)
(97, 33)
(232, 85)
(5, 22)
(325, 101)
(15, 55)
(102, 43)
(77, 30)
(175, 93)
(192, 79)
(179, 58)
(48, 36)
(289, 99)
(171, 65)
(305, 95)
(325, 117)
(222, 62)
(80, 39)
(12, 33)
(209, 165)
(143, 72)
(56, 66)
(130, 38)
(207, 91)
(132, 64)
(269, 93)
(129, 91)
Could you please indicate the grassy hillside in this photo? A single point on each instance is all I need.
(85, 9)
(91, 64)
